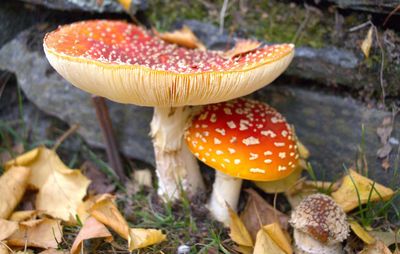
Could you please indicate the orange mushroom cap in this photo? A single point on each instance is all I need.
(244, 139)
(127, 64)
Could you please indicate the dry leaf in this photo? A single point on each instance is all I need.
(140, 238)
(3, 248)
(91, 229)
(280, 237)
(238, 231)
(7, 228)
(258, 212)
(126, 4)
(265, 244)
(280, 185)
(242, 249)
(43, 233)
(183, 37)
(23, 160)
(54, 251)
(377, 248)
(388, 238)
(367, 42)
(347, 197)
(361, 233)
(25, 215)
(242, 47)
(105, 211)
(12, 187)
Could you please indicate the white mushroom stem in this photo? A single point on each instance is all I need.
(308, 245)
(226, 190)
(177, 169)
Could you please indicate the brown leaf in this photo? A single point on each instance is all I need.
(258, 212)
(19, 216)
(183, 37)
(384, 151)
(99, 183)
(241, 47)
(238, 231)
(91, 229)
(367, 42)
(347, 194)
(106, 212)
(43, 233)
(13, 184)
(141, 238)
(7, 228)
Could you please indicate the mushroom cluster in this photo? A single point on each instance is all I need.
(127, 64)
(320, 225)
(241, 139)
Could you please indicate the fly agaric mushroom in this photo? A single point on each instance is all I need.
(320, 225)
(126, 64)
(241, 139)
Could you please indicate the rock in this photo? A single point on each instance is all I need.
(88, 5)
(330, 126)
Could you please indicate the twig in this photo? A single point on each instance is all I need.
(64, 136)
(358, 27)
(106, 128)
(391, 14)
(302, 25)
(222, 16)
(3, 81)
(382, 64)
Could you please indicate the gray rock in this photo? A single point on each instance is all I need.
(88, 5)
(330, 126)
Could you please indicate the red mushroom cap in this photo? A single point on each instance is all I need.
(244, 139)
(125, 63)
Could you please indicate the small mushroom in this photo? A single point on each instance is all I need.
(320, 225)
(241, 139)
(127, 64)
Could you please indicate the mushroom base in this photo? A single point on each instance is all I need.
(177, 169)
(226, 190)
(308, 245)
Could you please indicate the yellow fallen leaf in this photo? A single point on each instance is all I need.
(276, 233)
(13, 184)
(367, 42)
(91, 229)
(377, 248)
(43, 233)
(361, 233)
(265, 244)
(347, 197)
(3, 248)
(238, 232)
(183, 37)
(281, 185)
(105, 211)
(126, 4)
(140, 238)
(242, 47)
(7, 228)
(23, 159)
(244, 249)
(24, 215)
(387, 237)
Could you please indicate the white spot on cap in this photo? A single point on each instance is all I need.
(253, 156)
(196, 154)
(257, 170)
(203, 116)
(217, 141)
(206, 133)
(213, 118)
(233, 140)
(282, 155)
(219, 152)
(291, 154)
(268, 161)
(213, 160)
(281, 168)
(284, 133)
(266, 153)
(274, 119)
(244, 125)
(204, 126)
(220, 131)
(268, 133)
(239, 111)
(201, 148)
(231, 124)
(251, 141)
(279, 144)
(227, 160)
(236, 161)
(231, 150)
(228, 111)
